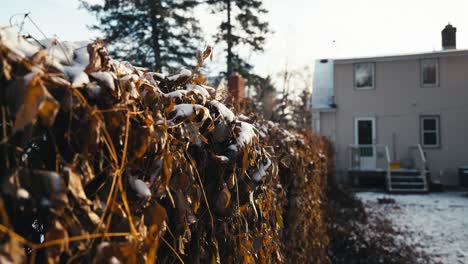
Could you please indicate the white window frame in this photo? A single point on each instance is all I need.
(436, 131)
(373, 76)
(374, 128)
(421, 72)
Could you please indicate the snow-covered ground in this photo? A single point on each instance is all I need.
(435, 223)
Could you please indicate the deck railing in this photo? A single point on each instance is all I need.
(416, 153)
(379, 152)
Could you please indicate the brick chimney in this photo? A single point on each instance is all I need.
(236, 87)
(449, 37)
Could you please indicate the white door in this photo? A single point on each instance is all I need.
(364, 131)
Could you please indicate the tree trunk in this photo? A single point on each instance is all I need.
(229, 39)
(155, 8)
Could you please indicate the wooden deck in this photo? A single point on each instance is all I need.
(368, 178)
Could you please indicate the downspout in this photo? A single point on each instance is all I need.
(339, 173)
(317, 130)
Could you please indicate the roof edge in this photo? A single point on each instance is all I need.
(441, 53)
(324, 109)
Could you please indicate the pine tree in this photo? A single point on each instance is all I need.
(243, 27)
(156, 33)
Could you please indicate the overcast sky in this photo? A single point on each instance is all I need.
(304, 30)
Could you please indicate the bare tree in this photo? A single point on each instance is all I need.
(294, 98)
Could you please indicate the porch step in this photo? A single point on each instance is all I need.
(405, 172)
(409, 182)
(408, 191)
(402, 177)
(407, 178)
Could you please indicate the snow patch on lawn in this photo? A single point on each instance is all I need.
(434, 223)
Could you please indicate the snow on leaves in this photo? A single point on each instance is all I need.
(119, 164)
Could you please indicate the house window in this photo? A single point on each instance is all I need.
(430, 131)
(364, 76)
(429, 72)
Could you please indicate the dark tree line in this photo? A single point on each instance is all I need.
(164, 34)
(151, 33)
(242, 27)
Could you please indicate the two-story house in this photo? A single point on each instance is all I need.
(396, 119)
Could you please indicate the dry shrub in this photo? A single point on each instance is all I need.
(303, 169)
(103, 162)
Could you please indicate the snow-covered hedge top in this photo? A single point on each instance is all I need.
(87, 66)
(102, 146)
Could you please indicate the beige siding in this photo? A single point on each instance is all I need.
(397, 103)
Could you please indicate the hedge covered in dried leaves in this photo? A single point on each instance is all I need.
(303, 169)
(103, 162)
